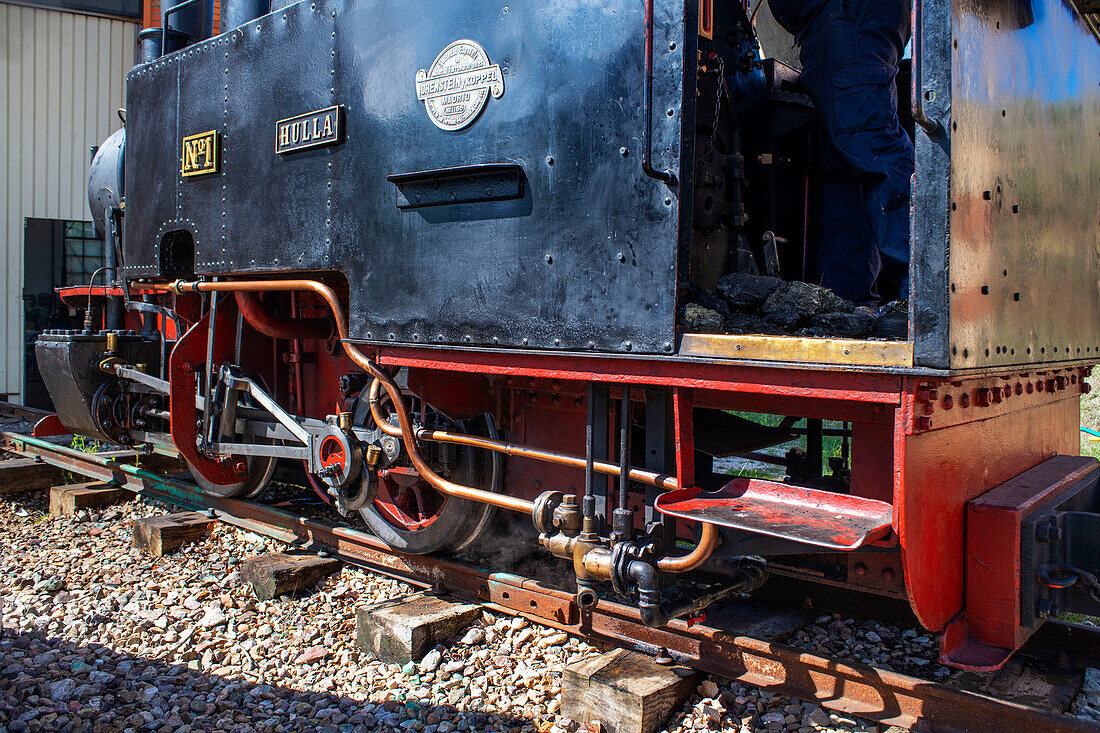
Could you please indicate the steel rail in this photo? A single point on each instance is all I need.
(12, 411)
(851, 688)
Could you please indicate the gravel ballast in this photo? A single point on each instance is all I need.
(100, 637)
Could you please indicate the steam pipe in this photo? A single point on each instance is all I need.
(624, 448)
(622, 522)
(588, 505)
(296, 350)
(114, 318)
(650, 478)
(708, 540)
(252, 308)
(408, 431)
(654, 613)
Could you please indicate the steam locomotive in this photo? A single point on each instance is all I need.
(447, 260)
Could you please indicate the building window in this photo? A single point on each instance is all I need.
(83, 252)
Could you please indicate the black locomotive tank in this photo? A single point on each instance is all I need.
(475, 169)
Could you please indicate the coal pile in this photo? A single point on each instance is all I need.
(758, 304)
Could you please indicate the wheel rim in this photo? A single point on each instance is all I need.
(259, 471)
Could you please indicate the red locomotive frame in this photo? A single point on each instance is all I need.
(927, 444)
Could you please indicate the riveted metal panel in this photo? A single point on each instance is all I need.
(202, 75)
(152, 166)
(279, 66)
(1025, 185)
(542, 270)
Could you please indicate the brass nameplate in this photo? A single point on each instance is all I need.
(309, 130)
(200, 154)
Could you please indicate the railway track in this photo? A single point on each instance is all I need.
(882, 695)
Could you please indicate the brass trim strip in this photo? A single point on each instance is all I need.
(795, 348)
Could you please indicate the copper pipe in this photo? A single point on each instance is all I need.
(708, 540)
(408, 436)
(260, 286)
(651, 478)
(252, 308)
(407, 433)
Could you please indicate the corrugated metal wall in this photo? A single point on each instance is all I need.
(62, 77)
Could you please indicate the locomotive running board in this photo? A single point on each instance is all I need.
(811, 516)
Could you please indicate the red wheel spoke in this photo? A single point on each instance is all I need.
(421, 505)
(412, 506)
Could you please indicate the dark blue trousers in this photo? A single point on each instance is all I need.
(850, 51)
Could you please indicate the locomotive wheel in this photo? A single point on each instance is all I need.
(412, 517)
(258, 469)
(258, 475)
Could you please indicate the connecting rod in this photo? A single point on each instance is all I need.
(409, 434)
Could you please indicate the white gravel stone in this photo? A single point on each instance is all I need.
(178, 644)
(474, 636)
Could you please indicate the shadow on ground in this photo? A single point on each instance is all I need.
(51, 684)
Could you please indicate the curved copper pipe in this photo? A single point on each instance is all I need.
(651, 478)
(253, 310)
(409, 437)
(708, 540)
(407, 431)
(262, 286)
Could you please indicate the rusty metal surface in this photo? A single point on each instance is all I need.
(851, 688)
(22, 412)
(1024, 185)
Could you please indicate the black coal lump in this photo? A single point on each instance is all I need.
(747, 292)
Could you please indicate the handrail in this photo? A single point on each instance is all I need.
(647, 104)
(164, 21)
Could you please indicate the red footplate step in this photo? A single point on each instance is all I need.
(797, 513)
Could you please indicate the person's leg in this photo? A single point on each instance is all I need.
(850, 55)
(847, 257)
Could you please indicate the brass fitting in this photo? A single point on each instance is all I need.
(558, 544)
(591, 558)
(597, 563)
(567, 516)
(108, 364)
(343, 421)
(373, 453)
(112, 341)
